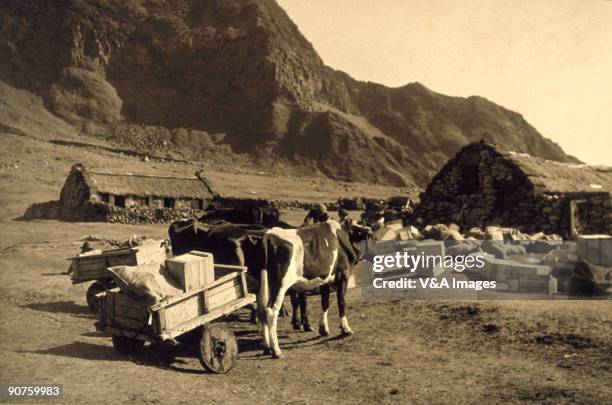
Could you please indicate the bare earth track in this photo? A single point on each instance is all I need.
(409, 351)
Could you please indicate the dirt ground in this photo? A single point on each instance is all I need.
(405, 352)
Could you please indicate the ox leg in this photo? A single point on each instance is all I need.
(295, 302)
(263, 300)
(283, 311)
(323, 325)
(345, 329)
(265, 331)
(304, 312)
(272, 321)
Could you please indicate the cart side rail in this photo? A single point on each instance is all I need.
(235, 272)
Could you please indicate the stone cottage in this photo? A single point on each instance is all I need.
(484, 185)
(128, 197)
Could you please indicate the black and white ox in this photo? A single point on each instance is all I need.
(303, 259)
(237, 244)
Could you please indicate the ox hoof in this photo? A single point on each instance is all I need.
(345, 332)
(278, 355)
(267, 351)
(323, 331)
(307, 327)
(297, 326)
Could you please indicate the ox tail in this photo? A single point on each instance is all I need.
(263, 297)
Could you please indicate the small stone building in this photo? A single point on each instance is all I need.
(127, 197)
(483, 185)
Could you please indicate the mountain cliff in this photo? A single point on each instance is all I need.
(242, 69)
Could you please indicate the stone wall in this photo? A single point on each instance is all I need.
(475, 189)
(75, 191)
(101, 212)
(240, 202)
(148, 215)
(480, 187)
(550, 213)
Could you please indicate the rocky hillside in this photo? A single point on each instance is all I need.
(238, 73)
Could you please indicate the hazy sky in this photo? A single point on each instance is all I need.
(548, 60)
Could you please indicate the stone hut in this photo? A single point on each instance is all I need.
(484, 185)
(128, 197)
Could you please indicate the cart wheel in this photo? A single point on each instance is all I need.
(92, 301)
(126, 345)
(218, 349)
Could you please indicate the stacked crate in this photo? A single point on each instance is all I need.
(595, 249)
(192, 270)
(514, 276)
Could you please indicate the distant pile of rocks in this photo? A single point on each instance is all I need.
(242, 202)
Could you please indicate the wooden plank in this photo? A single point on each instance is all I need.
(181, 312)
(231, 267)
(89, 262)
(126, 300)
(127, 323)
(209, 317)
(205, 301)
(196, 305)
(188, 294)
(224, 297)
(86, 268)
(120, 309)
(245, 290)
(90, 271)
(109, 303)
(137, 313)
(121, 259)
(102, 308)
(230, 284)
(160, 321)
(221, 270)
(102, 255)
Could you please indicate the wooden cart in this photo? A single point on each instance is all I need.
(131, 323)
(93, 267)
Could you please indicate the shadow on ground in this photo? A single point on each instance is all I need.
(62, 307)
(177, 358)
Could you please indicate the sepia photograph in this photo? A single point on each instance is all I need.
(306, 201)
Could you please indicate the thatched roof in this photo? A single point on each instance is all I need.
(145, 185)
(548, 176)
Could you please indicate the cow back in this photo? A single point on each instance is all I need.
(187, 235)
(229, 243)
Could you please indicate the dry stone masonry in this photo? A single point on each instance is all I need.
(89, 195)
(483, 185)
